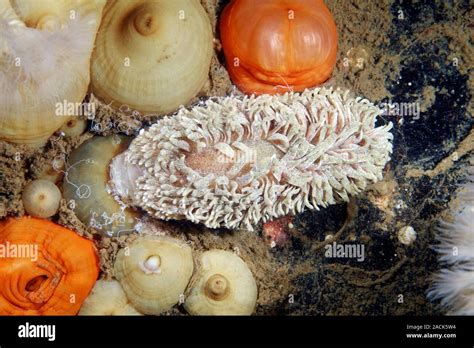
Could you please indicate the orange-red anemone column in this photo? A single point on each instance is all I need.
(276, 46)
(45, 269)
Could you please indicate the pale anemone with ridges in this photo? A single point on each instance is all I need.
(232, 162)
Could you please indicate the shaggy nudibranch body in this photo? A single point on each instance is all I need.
(454, 284)
(233, 162)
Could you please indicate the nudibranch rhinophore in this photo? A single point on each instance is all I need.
(454, 284)
(232, 162)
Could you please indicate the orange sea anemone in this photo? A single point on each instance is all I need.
(276, 46)
(45, 269)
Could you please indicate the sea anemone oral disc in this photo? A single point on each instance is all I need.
(41, 198)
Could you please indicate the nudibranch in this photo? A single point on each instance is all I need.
(454, 284)
(232, 162)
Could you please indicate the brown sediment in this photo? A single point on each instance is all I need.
(363, 63)
(427, 98)
(364, 278)
(383, 195)
(465, 146)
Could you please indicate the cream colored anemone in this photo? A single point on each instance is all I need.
(85, 186)
(40, 69)
(453, 284)
(74, 127)
(152, 56)
(107, 298)
(224, 286)
(154, 272)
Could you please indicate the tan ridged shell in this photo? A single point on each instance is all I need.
(40, 69)
(85, 184)
(152, 56)
(154, 272)
(224, 286)
(107, 298)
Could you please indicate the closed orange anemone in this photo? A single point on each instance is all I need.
(276, 46)
(45, 269)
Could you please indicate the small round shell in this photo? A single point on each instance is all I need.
(107, 298)
(41, 198)
(225, 286)
(407, 235)
(154, 272)
(152, 56)
(85, 186)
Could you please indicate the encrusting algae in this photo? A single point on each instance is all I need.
(233, 162)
